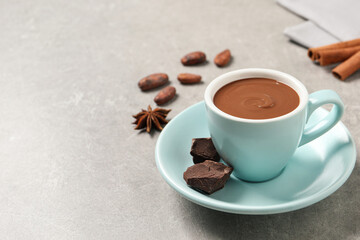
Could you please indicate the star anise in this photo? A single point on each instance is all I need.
(146, 119)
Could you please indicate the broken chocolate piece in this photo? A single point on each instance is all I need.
(203, 149)
(208, 176)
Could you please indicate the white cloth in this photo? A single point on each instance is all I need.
(330, 21)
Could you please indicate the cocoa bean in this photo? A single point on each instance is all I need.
(153, 81)
(188, 78)
(193, 58)
(165, 95)
(222, 58)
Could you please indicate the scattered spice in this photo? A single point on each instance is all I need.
(157, 118)
(148, 119)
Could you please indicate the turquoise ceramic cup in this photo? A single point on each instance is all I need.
(259, 149)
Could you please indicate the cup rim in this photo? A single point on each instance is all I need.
(282, 77)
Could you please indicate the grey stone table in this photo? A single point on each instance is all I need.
(72, 167)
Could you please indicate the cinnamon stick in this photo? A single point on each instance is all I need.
(312, 52)
(348, 67)
(330, 56)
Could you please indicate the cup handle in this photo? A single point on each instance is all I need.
(316, 100)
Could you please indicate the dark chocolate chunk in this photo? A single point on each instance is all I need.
(198, 160)
(203, 149)
(208, 176)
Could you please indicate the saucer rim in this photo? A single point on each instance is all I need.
(219, 205)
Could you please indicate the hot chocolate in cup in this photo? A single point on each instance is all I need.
(256, 98)
(258, 149)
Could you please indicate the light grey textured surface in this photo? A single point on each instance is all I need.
(72, 167)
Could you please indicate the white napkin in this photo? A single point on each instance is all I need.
(330, 21)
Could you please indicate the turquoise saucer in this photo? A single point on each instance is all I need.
(316, 170)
